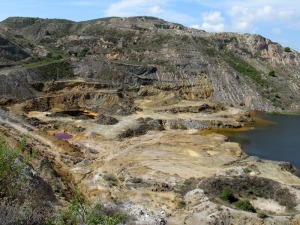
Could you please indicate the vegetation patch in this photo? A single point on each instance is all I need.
(272, 73)
(287, 49)
(244, 205)
(228, 196)
(111, 179)
(246, 187)
(244, 68)
(188, 185)
(82, 52)
(81, 212)
(247, 170)
(25, 198)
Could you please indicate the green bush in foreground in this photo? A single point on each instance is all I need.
(10, 168)
(244, 205)
(80, 212)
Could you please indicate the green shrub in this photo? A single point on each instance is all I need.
(244, 205)
(10, 168)
(287, 49)
(136, 180)
(272, 73)
(247, 170)
(111, 179)
(276, 95)
(228, 196)
(262, 215)
(80, 212)
(82, 52)
(181, 204)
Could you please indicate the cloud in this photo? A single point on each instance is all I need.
(156, 8)
(213, 27)
(246, 18)
(212, 21)
(277, 31)
(214, 17)
(126, 8)
(195, 26)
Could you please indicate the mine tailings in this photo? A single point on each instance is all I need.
(272, 136)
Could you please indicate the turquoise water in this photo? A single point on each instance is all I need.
(278, 141)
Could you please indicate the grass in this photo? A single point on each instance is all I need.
(24, 197)
(272, 73)
(50, 68)
(244, 205)
(81, 212)
(10, 179)
(247, 170)
(228, 196)
(244, 68)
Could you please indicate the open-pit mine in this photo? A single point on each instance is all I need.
(116, 107)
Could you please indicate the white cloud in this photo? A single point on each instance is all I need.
(212, 21)
(246, 18)
(277, 31)
(195, 26)
(214, 17)
(243, 26)
(134, 7)
(156, 8)
(213, 27)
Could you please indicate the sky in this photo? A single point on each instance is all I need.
(278, 20)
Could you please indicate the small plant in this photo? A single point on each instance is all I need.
(181, 204)
(261, 215)
(276, 95)
(111, 179)
(272, 73)
(247, 170)
(136, 180)
(47, 33)
(287, 49)
(244, 68)
(228, 196)
(83, 51)
(11, 167)
(81, 212)
(244, 205)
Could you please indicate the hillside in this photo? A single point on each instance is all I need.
(229, 68)
(117, 107)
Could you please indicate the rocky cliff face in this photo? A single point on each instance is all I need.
(234, 69)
